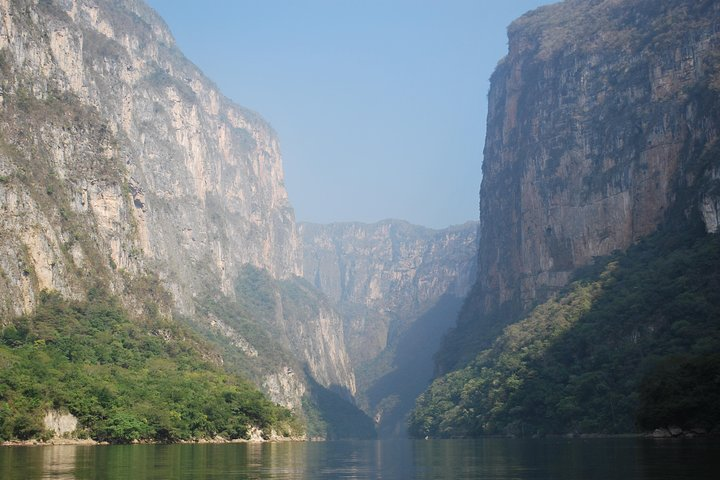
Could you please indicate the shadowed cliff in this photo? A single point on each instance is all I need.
(602, 138)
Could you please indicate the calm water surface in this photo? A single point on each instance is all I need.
(491, 459)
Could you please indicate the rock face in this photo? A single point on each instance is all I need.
(190, 179)
(383, 276)
(399, 288)
(120, 163)
(60, 423)
(602, 125)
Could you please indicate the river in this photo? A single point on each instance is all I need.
(490, 459)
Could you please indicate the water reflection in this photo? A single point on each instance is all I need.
(561, 458)
(51, 462)
(59, 461)
(489, 459)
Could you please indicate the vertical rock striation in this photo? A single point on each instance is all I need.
(603, 124)
(121, 164)
(383, 276)
(166, 171)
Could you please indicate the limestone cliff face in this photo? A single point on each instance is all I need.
(197, 188)
(121, 164)
(385, 275)
(602, 124)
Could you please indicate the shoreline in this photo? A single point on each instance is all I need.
(256, 439)
(90, 442)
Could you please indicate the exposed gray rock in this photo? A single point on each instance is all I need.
(383, 276)
(588, 142)
(170, 173)
(661, 433)
(592, 144)
(60, 423)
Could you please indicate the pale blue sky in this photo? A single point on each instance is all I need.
(379, 105)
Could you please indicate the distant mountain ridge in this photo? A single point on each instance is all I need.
(387, 272)
(398, 287)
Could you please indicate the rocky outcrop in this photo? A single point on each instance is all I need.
(602, 125)
(60, 423)
(383, 276)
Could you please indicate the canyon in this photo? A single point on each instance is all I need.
(130, 186)
(124, 169)
(398, 288)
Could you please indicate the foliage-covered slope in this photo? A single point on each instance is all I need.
(331, 416)
(124, 380)
(269, 319)
(632, 344)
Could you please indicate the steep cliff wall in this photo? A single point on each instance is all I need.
(383, 276)
(398, 288)
(295, 315)
(197, 178)
(120, 162)
(602, 125)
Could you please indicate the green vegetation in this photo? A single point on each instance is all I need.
(252, 314)
(683, 391)
(124, 380)
(267, 313)
(632, 343)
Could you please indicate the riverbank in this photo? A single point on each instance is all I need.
(52, 441)
(256, 436)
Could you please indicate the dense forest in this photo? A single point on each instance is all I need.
(632, 344)
(125, 380)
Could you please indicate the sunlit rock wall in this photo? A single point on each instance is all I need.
(153, 163)
(121, 163)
